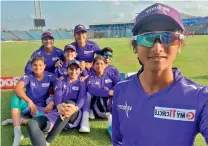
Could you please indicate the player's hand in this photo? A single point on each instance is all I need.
(82, 64)
(83, 78)
(70, 110)
(49, 108)
(61, 108)
(111, 92)
(59, 63)
(33, 108)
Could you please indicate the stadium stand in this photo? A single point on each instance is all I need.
(5, 36)
(22, 35)
(64, 34)
(56, 35)
(35, 34)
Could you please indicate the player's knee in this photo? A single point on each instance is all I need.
(32, 124)
(49, 99)
(15, 102)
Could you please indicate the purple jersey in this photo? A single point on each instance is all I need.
(38, 91)
(62, 71)
(50, 60)
(75, 91)
(100, 86)
(87, 52)
(170, 117)
(112, 69)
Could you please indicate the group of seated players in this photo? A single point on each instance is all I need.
(64, 89)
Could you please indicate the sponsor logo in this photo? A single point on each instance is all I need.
(125, 108)
(159, 7)
(75, 88)
(174, 114)
(8, 82)
(55, 58)
(88, 52)
(45, 84)
(97, 83)
(108, 81)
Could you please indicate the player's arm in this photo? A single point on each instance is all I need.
(95, 91)
(203, 119)
(116, 134)
(28, 67)
(19, 91)
(58, 93)
(82, 95)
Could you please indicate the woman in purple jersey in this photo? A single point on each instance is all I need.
(48, 51)
(34, 102)
(158, 105)
(100, 86)
(107, 53)
(70, 94)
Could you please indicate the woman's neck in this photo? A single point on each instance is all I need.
(81, 44)
(71, 80)
(48, 50)
(99, 74)
(153, 82)
(39, 77)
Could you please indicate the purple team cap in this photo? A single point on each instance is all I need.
(69, 46)
(74, 62)
(158, 13)
(46, 34)
(79, 28)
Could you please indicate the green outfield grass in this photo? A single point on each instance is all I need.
(192, 62)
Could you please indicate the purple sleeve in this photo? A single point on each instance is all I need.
(116, 134)
(28, 68)
(95, 91)
(116, 72)
(84, 73)
(58, 93)
(115, 79)
(25, 79)
(53, 79)
(97, 49)
(203, 122)
(82, 95)
(56, 73)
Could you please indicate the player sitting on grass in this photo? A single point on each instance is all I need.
(70, 94)
(35, 101)
(69, 55)
(50, 53)
(158, 105)
(100, 86)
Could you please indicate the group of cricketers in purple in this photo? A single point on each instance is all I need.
(63, 88)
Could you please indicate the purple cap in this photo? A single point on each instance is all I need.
(79, 28)
(158, 11)
(74, 62)
(69, 47)
(46, 34)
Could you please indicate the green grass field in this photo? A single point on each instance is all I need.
(192, 62)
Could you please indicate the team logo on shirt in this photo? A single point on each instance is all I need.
(88, 52)
(97, 83)
(108, 81)
(55, 58)
(174, 114)
(45, 84)
(33, 84)
(125, 108)
(75, 88)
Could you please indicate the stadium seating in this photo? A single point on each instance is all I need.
(5, 36)
(64, 34)
(22, 35)
(56, 35)
(35, 34)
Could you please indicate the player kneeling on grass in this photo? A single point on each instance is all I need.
(50, 53)
(34, 102)
(158, 105)
(100, 85)
(69, 55)
(70, 94)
